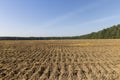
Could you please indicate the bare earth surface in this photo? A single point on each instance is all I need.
(60, 60)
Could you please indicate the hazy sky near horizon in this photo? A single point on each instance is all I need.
(57, 17)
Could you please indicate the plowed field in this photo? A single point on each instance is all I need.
(60, 60)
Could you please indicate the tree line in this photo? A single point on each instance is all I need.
(108, 33)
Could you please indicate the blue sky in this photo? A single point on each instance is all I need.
(57, 17)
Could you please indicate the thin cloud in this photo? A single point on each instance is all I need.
(70, 14)
(104, 19)
(96, 21)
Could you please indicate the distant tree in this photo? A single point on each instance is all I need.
(108, 33)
